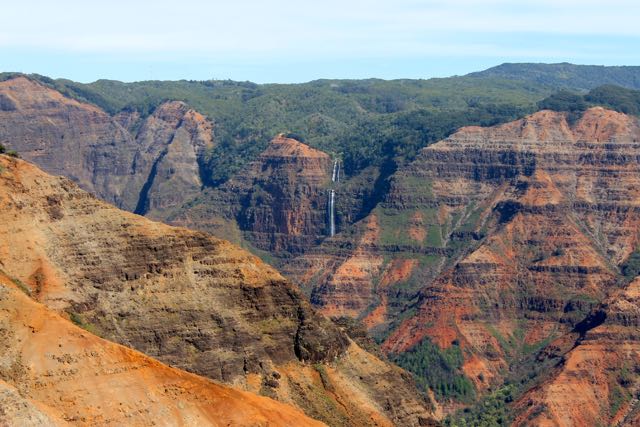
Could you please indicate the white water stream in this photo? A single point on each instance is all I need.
(335, 177)
(332, 221)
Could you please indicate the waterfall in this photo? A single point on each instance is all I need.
(331, 211)
(332, 221)
(333, 174)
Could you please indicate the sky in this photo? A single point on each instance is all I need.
(289, 41)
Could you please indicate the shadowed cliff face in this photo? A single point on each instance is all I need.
(149, 166)
(190, 300)
(170, 143)
(55, 373)
(279, 202)
(495, 239)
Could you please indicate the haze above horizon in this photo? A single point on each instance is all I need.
(288, 42)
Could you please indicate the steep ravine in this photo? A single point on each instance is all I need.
(491, 244)
(146, 165)
(192, 301)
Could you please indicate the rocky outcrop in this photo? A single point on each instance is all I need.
(497, 239)
(190, 300)
(166, 168)
(279, 201)
(149, 166)
(597, 381)
(558, 208)
(66, 137)
(55, 373)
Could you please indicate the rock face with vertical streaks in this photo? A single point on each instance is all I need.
(66, 137)
(192, 301)
(495, 240)
(150, 166)
(279, 201)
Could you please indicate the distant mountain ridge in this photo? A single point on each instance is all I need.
(565, 75)
(354, 117)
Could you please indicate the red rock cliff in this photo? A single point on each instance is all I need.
(501, 237)
(152, 170)
(279, 201)
(190, 300)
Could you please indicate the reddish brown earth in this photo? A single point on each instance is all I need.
(192, 301)
(55, 373)
(148, 166)
(399, 270)
(278, 202)
(559, 207)
(66, 137)
(514, 233)
(596, 382)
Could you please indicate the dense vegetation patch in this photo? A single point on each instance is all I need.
(566, 76)
(399, 137)
(631, 267)
(609, 96)
(616, 98)
(437, 369)
(493, 411)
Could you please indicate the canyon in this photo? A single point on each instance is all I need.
(144, 165)
(190, 300)
(495, 242)
(500, 257)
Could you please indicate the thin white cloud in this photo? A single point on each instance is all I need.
(287, 27)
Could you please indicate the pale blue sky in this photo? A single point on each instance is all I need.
(296, 41)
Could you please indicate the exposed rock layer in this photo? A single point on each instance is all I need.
(190, 300)
(498, 238)
(279, 201)
(149, 166)
(54, 373)
(596, 382)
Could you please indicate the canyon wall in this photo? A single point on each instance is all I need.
(148, 166)
(594, 379)
(494, 241)
(55, 373)
(279, 201)
(192, 301)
